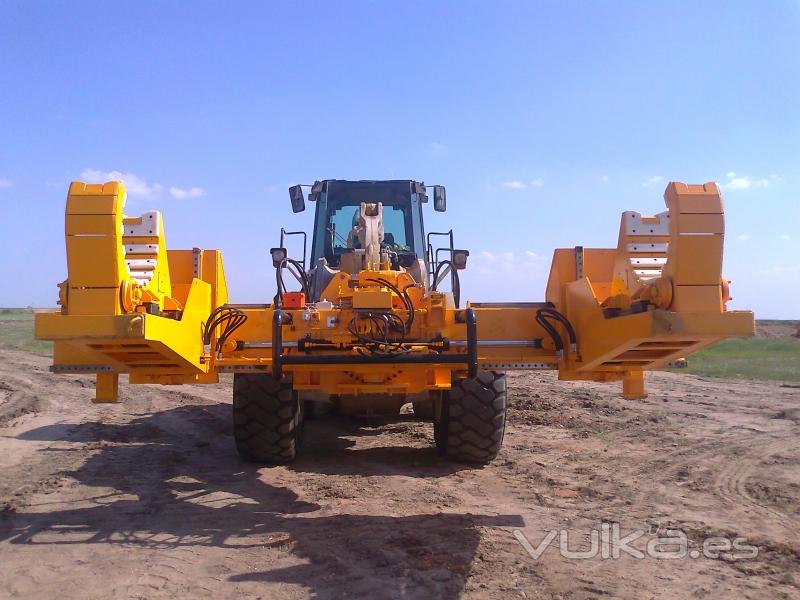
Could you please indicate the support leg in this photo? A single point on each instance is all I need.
(107, 387)
(633, 386)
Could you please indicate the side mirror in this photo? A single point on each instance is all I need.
(298, 198)
(460, 259)
(278, 256)
(439, 198)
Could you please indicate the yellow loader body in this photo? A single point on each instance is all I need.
(130, 305)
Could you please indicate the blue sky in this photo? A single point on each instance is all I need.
(545, 120)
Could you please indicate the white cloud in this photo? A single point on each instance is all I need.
(743, 237)
(532, 256)
(655, 180)
(786, 236)
(516, 184)
(782, 270)
(139, 187)
(491, 263)
(738, 183)
(745, 182)
(136, 186)
(436, 149)
(192, 192)
(5, 183)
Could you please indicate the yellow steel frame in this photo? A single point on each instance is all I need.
(107, 324)
(657, 297)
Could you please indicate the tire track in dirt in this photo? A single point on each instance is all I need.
(732, 479)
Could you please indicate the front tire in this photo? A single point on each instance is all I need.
(267, 418)
(426, 409)
(472, 422)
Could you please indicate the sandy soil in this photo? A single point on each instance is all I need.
(148, 499)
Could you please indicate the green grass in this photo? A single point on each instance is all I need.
(16, 314)
(16, 331)
(751, 358)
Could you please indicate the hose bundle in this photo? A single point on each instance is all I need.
(376, 331)
(384, 332)
(551, 313)
(403, 295)
(228, 319)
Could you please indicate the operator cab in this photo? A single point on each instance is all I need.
(338, 206)
(335, 239)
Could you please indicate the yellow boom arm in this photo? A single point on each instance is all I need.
(128, 304)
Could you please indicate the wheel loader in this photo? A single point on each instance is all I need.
(369, 317)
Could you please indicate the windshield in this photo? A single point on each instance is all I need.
(335, 227)
(343, 220)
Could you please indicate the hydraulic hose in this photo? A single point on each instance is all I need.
(300, 274)
(542, 316)
(403, 295)
(552, 312)
(551, 331)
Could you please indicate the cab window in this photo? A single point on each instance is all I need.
(342, 206)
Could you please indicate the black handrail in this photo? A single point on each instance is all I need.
(285, 233)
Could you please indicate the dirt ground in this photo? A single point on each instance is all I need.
(147, 498)
(777, 329)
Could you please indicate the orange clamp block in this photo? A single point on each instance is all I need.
(294, 300)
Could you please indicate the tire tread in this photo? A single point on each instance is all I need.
(267, 420)
(472, 424)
